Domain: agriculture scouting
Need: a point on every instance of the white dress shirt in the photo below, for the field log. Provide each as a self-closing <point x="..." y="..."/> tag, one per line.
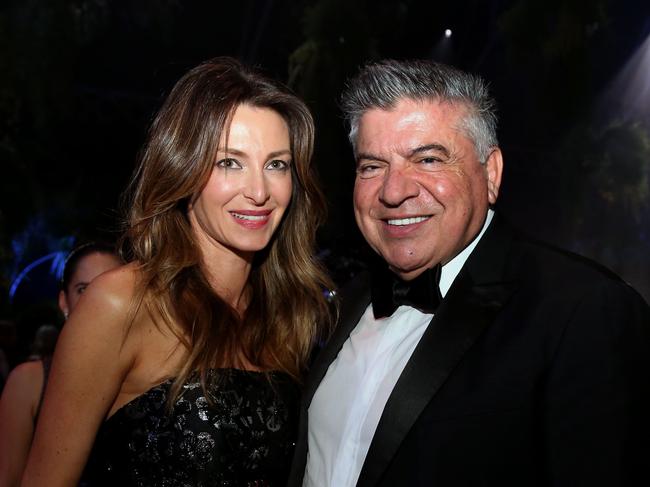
<point x="346" y="408"/>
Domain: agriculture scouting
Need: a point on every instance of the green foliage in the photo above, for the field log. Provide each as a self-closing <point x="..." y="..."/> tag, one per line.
<point x="603" y="177"/>
<point x="340" y="36"/>
<point x="548" y="49"/>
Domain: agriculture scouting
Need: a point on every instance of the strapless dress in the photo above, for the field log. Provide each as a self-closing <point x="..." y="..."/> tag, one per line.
<point x="244" y="436"/>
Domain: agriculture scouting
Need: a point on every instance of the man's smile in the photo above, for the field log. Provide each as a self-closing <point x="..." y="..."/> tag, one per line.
<point x="407" y="221"/>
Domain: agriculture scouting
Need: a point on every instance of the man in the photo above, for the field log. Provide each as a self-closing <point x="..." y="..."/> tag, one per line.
<point x="471" y="356"/>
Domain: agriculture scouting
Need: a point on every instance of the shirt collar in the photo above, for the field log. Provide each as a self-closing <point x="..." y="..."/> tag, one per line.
<point x="451" y="269"/>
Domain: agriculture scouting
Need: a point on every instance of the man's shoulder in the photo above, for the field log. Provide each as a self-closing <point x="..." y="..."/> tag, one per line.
<point x="549" y="267"/>
<point x="552" y="258"/>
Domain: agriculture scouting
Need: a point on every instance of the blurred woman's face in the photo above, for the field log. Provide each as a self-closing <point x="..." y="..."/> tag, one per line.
<point x="249" y="190"/>
<point x="87" y="269"/>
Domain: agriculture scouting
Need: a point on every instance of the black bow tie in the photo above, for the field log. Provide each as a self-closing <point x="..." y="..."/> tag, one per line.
<point x="389" y="291"/>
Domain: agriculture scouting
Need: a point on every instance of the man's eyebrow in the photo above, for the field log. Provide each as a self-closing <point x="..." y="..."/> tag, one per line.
<point x="430" y="147"/>
<point x="367" y="156"/>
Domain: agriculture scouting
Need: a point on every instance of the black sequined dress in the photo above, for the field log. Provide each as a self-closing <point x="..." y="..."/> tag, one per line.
<point x="245" y="438"/>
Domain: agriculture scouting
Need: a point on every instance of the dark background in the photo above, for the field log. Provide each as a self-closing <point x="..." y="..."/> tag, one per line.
<point x="81" y="79"/>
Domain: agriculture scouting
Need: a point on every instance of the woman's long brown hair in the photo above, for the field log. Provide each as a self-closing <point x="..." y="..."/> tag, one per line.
<point x="287" y="312"/>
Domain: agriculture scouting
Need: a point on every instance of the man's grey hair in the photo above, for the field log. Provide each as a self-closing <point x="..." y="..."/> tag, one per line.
<point x="383" y="84"/>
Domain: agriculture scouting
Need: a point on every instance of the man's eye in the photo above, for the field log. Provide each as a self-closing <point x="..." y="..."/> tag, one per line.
<point x="366" y="171"/>
<point x="429" y="160"/>
<point x="228" y="163"/>
<point x="367" y="168"/>
<point x="278" y="165"/>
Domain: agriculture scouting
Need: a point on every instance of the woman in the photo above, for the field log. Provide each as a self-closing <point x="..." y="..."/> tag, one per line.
<point x="188" y="373"/>
<point x="21" y="398"/>
<point x="83" y="264"/>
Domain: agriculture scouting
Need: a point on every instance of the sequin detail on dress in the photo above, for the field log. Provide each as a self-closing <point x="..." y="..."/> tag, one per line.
<point x="245" y="438"/>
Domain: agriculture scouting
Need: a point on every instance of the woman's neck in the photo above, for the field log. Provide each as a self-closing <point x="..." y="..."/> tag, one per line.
<point x="227" y="272"/>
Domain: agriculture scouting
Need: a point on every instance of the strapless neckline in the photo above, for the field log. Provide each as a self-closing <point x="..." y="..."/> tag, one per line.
<point x="168" y="382"/>
<point x="240" y="431"/>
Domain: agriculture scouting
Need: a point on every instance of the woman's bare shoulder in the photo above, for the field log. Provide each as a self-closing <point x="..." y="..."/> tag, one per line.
<point x="107" y="304"/>
<point x="116" y="284"/>
<point x="113" y="291"/>
<point x="29" y="372"/>
<point x="24" y="384"/>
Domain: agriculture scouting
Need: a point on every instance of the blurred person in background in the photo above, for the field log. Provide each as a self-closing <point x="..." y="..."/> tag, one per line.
<point x="7" y="345"/>
<point x="44" y="342"/>
<point x="23" y="394"/>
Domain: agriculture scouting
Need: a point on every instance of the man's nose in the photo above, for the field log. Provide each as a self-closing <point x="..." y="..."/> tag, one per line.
<point x="256" y="188"/>
<point x="398" y="186"/>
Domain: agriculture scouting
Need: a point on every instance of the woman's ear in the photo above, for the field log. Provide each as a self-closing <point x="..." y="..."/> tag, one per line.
<point x="63" y="304"/>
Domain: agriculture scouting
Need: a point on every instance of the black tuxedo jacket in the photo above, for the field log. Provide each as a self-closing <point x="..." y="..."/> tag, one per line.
<point x="535" y="370"/>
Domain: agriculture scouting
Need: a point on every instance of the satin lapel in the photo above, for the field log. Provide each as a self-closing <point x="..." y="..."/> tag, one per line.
<point x="477" y="294"/>
<point x="355" y="300"/>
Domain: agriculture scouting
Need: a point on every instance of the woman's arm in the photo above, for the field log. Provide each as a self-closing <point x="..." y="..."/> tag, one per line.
<point x="92" y="358"/>
<point x="18" y="405"/>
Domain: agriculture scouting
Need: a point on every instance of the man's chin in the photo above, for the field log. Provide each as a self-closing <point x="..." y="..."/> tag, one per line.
<point x="407" y="269"/>
<point x="405" y="262"/>
<point x="408" y="275"/>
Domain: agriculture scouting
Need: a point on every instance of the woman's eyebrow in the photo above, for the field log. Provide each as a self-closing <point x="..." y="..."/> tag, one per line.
<point x="230" y="150"/>
<point x="283" y="152"/>
<point x="235" y="152"/>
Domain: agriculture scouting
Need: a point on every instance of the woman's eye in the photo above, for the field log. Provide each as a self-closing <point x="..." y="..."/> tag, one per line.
<point x="228" y="163"/>
<point x="278" y="164"/>
<point x="81" y="289"/>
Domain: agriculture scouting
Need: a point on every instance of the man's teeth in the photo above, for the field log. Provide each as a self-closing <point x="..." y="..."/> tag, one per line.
<point x="408" y="221"/>
<point x="254" y="218"/>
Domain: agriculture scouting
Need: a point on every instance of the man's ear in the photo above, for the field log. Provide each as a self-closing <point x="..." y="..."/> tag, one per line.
<point x="494" y="169"/>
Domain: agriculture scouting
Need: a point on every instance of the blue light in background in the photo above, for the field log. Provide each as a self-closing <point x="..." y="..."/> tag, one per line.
<point x="56" y="269"/>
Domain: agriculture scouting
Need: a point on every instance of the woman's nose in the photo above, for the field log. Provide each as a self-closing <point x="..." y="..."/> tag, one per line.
<point x="256" y="188"/>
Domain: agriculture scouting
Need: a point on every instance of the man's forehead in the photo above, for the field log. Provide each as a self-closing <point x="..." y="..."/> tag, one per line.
<point x="409" y="111"/>
<point x="406" y="124"/>
<point x="422" y="103"/>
